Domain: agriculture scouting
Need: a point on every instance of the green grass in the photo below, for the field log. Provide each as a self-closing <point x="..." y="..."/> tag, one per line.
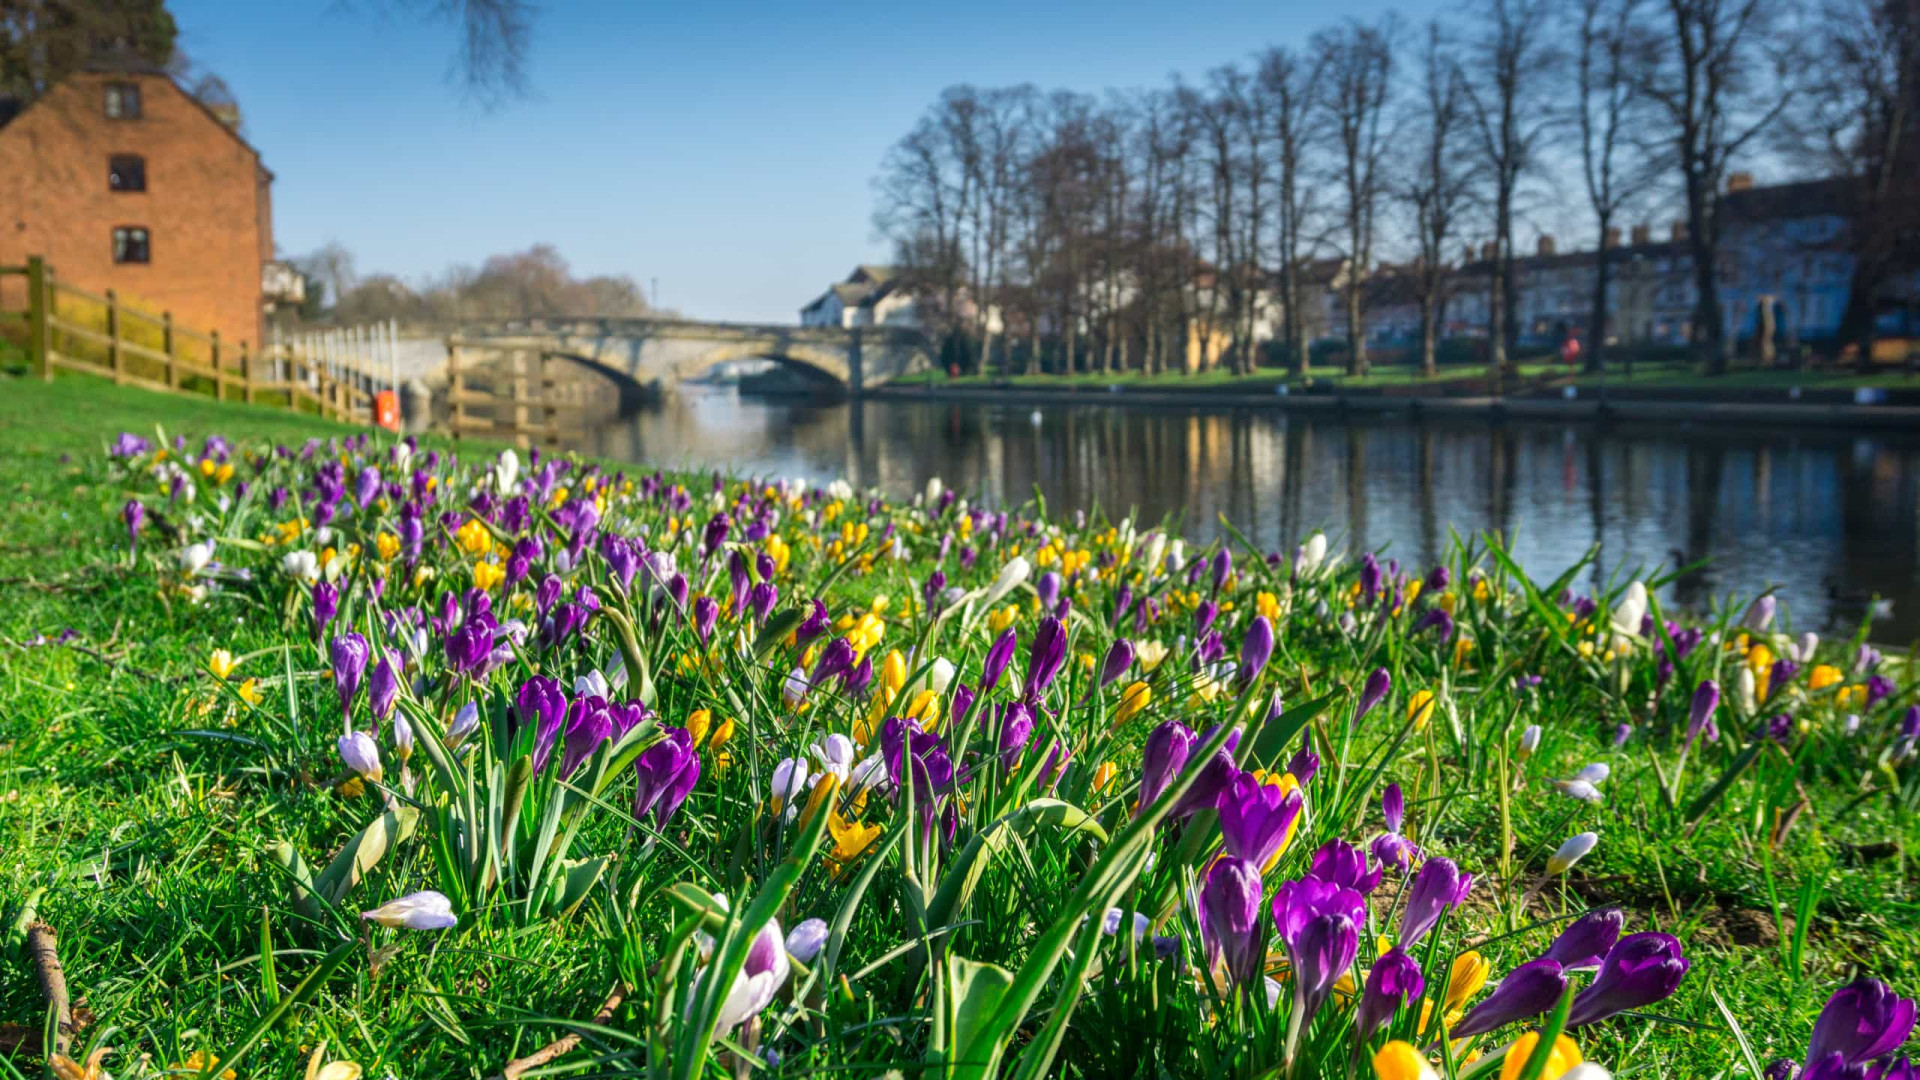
<point x="144" y="798"/>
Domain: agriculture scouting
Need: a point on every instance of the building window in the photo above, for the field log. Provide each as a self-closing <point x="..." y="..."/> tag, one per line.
<point x="130" y="244"/>
<point x="123" y="101"/>
<point x="127" y="172"/>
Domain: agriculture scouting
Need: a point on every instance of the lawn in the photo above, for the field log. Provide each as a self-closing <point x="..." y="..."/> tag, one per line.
<point x="178" y="777"/>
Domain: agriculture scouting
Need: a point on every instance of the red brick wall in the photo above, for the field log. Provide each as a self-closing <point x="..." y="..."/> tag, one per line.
<point x="205" y="208"/>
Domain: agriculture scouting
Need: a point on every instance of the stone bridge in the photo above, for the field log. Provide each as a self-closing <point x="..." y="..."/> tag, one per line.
<point x="649" y="356"/>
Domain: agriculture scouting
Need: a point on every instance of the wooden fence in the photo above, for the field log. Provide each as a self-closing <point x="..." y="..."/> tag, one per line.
<point x="66" y="328"/>
<point x="499" y="393"/>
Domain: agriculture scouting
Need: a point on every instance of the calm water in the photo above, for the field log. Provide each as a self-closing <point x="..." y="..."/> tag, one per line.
<point x="1831" y="518"/>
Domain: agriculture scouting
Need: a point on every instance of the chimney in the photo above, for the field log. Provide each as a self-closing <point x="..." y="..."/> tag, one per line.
<point x="1642" y="234"/>
<point x="1740" y="181"/>
<point x="1613" y="237"/>
<point x="1545" y="247"/>
<point x="1677" y="231"/>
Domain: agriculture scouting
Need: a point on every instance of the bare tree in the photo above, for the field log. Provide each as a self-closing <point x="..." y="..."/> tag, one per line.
<point x="1441" y="186"/>
<point x="1719" y="79"/>
<point x="1357" y="69"/>
<point x="923" y="192"/>
<point x="331" y="266"/>
<point x="1858" y="117"/>
<point x="1607" y="99"/>
<point x="1510" y="62"/>
<point x="1288" y="81"/>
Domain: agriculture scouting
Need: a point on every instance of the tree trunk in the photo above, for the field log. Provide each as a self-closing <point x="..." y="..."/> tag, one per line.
<point x="1356" y="333"/>
<point x="1597" y="323"/>
<point x="1496" y="322"/>
<point x="1429" y="337"/>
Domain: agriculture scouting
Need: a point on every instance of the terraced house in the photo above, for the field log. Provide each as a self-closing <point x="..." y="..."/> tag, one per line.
<point x="122" y="180"/>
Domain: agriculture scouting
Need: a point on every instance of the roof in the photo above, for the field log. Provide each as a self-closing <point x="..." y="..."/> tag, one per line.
<point x="1620" y="253"/>
<point x="1777" y="202"/>
<point x="122" y="63"/>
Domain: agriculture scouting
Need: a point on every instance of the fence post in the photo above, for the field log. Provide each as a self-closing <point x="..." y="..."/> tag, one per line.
<point x="39" y="339"/>
<point x="290" y="372"/>
<point x="246" y="373"/>
<point x="113" y="339"/>
<point x="219" y="376"/>
<point x="456" y="389"/>
<point x="172" y="374"/>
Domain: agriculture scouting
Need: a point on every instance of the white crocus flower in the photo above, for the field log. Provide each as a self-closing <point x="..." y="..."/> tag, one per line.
<point x="426" y="910"/>
<point x="195" y="557"/>
<point x="1572" y="851"/>
<point x="302" y="566"/>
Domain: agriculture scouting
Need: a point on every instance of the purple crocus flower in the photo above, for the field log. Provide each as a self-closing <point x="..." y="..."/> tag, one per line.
<point x="326" y="604"/>
<point x="1638" y="971"/>
<point x="1370" y="578"/>
<point x="999" y="657"/>
<point x="1319" y="922"/>
<point x="1862" y="1021"/>
<point x="1164" y="754"/>
<point x="1342" y="864"/>
<point x="470" y="647"/>
<point x="1215" y="775"/>
<point x="588" y="724"/>
<point x="134" y="513"/>
<point x="1204" y="615"/>
<point x="1438" y="579"/>
<point x="1256" y="648"/>
<point x="1222" y="568"/>
<point x="1256" y="819"/>
<point x="367" y="487"/>
<point x="542" y="706"/>
<point x="1706" y="698"/>
<point x="706" y="612"/>
<point x="1879" y="688"/>
<point x="667" y="771"/>
<point x="1047" y="589"/>
<point x="1048" y="653"/>
<point x="1394" y="981"/>
<point x="1436" y="619"/>
<point x="1119" y="658"/>
<point x="349" y="654"/>
<point x="1304" y="763"/>
<point x="815" y="624"/>
<point x="1438" y="887"/>
<point x="1587" y="940"/>
<point x="1016" y="728"/>
<point x="545" y="595"/>
<point x="383" y="689"/>
<point x="1526" y="992"/>
<point x="1230" y="925"/>
<point x="1373" y="693"/>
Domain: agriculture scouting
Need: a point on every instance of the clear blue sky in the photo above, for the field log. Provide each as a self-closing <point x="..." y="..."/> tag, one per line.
<point x="726" y="149"/>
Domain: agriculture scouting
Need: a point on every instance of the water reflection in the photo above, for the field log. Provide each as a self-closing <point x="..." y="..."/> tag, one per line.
<point x="1831" y="518"/>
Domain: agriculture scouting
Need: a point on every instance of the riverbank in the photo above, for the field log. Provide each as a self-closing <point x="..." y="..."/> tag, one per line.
<point x="1764" y="398"/>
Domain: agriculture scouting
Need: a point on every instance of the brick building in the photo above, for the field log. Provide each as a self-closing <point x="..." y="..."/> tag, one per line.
<point x="123" y="181"/>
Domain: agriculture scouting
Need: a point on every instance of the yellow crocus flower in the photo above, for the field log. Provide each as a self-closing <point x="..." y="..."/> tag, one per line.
<point x="1133" y="699"/>
<point x="850" y="838"/>
<point x="250" y="692"/>
<point x="486" y="575"/>
<point x="221" y="663"/>
<point x="1400" y="1061"/>
<point x="699" y="721"/>
<point x="1564" y="1056"/>
<point x="1823" y="676"/>
<point x="1469" y="974"/>
<point x="1420" y="709"/>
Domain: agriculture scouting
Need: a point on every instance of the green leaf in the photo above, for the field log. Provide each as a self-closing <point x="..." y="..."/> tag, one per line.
<point x="964" y="871"/>
<point x="974" y="993"/>
<point x="364" y="852"/>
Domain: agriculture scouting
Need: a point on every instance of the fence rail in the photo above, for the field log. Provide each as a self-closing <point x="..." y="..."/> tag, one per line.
<point x="71" y="329"/>
<point x="498" y="393"/>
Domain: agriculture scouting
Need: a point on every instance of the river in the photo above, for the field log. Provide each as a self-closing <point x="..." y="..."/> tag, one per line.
<point x="1831" y="519"/>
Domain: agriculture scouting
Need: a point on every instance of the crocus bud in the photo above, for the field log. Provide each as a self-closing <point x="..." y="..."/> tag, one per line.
<point x="1394" y="981"/>
<point x="1048" y="653"/>
<point x="1706" y="698"/>
<point x="326" y="603"/>
<point x="1526" y="992"/>
<point x="349" y="654"/>
<point x="360" y="755"/>
<point x="1119" y="659"/>
<point x="999" y="656"/>
<point x="1584" y="943"/>
<point x="1256" y="819"/>
<point x="1862" y="1021"/>
<point x="1222" y="568"/>
<point x="134" y="513"/>
<point x="1048" y="590"/>
<point x="1437" y="888"/>
<point x="1760" y="613"/>
<point x="1165" y="752"/>
<point x="1230" y="925"/>
<point x="1256" y="648"/>
<point x="706" y="611"/>
<point x="805" y="941"/>
<point x="1571" y="851"/>
<point x="1529" y="742"/>
<point x="1373" y="693"/>
<point x="402" y="739"/>
<point x="383" y="688"/>
<point x="1639" y="971"/>
<point x="427" y="910"/>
